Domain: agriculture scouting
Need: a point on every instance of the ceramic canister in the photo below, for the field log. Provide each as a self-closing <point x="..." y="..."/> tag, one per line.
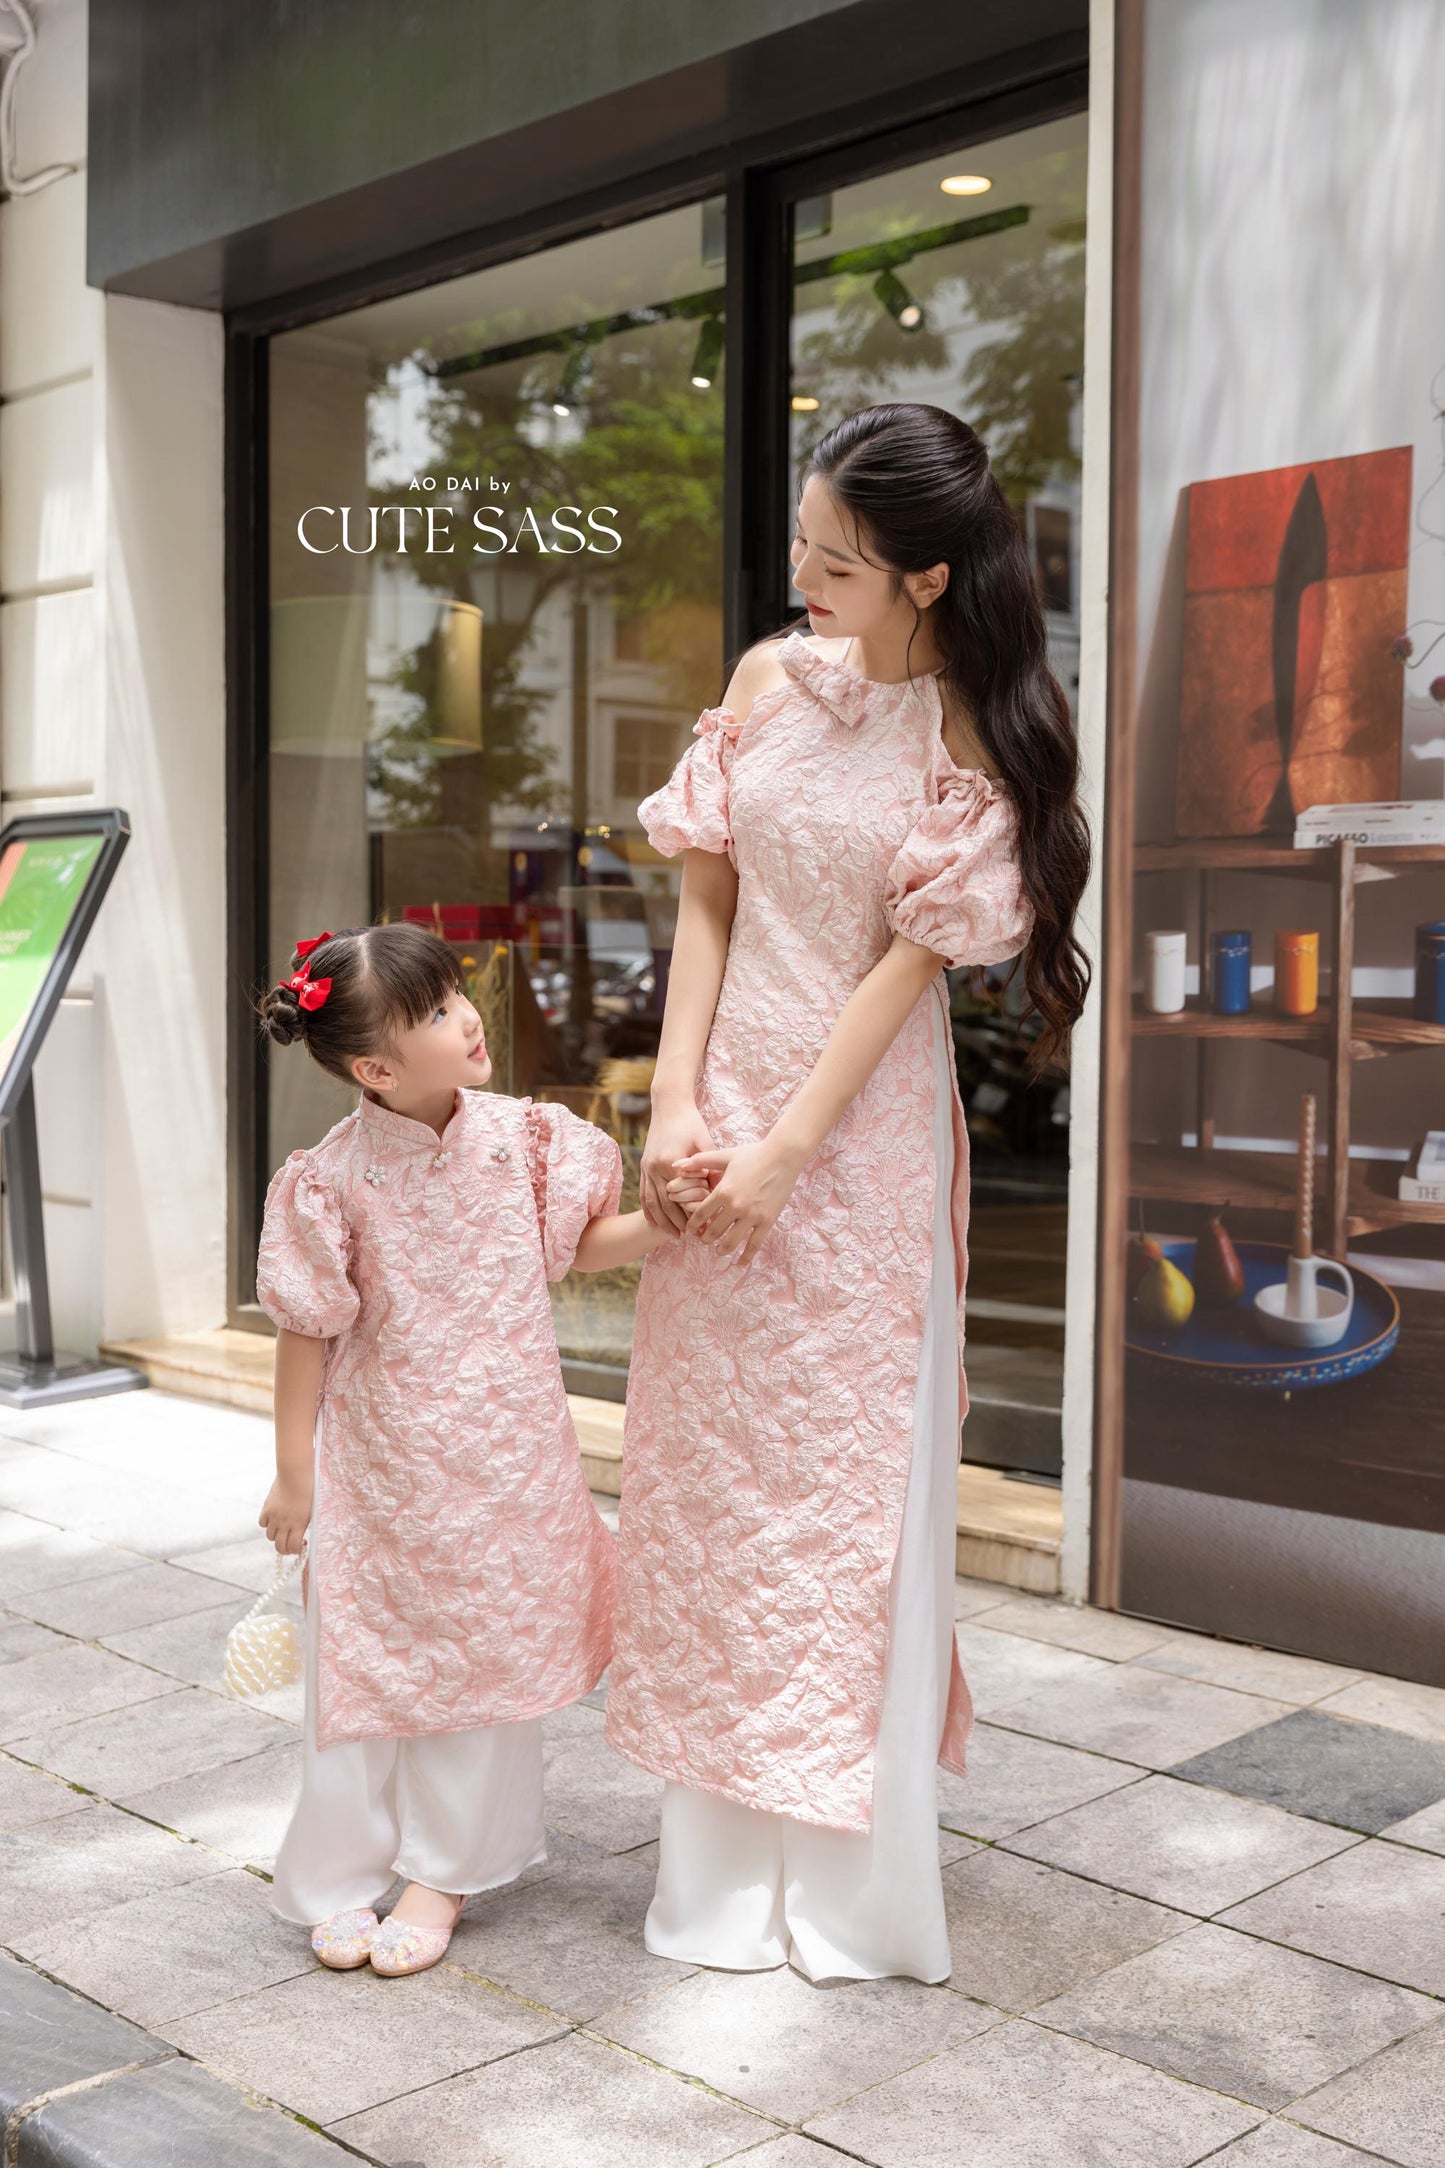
<point x="1164" y="972"/>
<point x="1430" y="971"/>
<point x="1229" y="973"/>
<point x="1297" y="972"/>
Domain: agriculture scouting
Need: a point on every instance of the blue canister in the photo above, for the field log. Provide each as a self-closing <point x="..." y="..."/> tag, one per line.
<point x="1430" y="971"/>
<point x="1229" y="973"/>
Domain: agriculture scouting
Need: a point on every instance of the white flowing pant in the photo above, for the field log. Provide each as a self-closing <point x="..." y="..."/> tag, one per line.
<point x="745" y="1889"/>
<point x="460" y="1811"/>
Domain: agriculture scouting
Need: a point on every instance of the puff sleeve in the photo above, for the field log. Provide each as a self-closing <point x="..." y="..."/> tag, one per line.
<point x="954" y="884"/>
<point x="690" y="812"/>
<point x="302" y="1278"/>
<point x="576" y="1176"/>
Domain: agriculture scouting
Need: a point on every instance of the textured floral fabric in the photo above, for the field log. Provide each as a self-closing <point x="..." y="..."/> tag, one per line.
<point x="464" y="1575"/>
<point x="770" y="1410"/>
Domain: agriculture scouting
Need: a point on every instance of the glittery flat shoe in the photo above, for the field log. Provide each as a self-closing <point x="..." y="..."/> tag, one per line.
<point x="399" y="1947"/>
<point x="344" y="1941"/>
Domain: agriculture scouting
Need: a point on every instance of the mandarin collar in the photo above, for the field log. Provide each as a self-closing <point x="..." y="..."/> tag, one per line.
<point x="849" y="697"/>
<point x="405" y="1130"/>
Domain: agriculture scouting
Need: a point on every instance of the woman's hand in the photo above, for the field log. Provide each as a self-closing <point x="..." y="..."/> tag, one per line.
<point x="286" y="1515"/>
<point x="675" y="1130"/>
<point x="752" y="1184"/>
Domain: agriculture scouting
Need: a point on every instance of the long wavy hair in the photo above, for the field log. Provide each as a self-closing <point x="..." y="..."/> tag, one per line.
<point x="916" y="483"/>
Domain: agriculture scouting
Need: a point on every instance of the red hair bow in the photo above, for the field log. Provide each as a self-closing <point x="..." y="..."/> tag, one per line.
<point x="310" y="993"/>
<point x="304" y="948"/>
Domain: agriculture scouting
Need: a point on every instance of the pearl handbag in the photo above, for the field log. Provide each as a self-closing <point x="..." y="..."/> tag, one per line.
<point x="264" y="1652"/>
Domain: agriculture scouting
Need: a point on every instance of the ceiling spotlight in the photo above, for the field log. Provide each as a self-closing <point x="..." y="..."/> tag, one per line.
<point x="803" y="402"/>
<point x="707" y="355"/>
<point x="575" y="379"/>
<point x="898" y="301"/>
<point x="966" y="184"/>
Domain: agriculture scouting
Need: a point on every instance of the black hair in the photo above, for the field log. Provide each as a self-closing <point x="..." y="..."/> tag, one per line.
<point x="384" y="979"/>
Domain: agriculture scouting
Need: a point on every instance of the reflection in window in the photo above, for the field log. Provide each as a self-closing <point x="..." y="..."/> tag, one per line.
<point x="490" y="640"/>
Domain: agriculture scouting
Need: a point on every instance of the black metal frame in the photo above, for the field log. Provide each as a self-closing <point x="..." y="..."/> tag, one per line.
<point x="762" y="180"/>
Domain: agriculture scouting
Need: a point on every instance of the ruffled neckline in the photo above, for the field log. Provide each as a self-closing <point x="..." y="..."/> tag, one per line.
<point x="849" y="696"/>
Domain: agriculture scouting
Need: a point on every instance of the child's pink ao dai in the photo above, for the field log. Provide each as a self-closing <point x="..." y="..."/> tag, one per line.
<point x="464" y="1576"/>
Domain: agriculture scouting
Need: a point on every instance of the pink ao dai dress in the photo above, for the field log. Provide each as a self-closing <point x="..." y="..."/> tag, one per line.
<point x="784" y="1650"/>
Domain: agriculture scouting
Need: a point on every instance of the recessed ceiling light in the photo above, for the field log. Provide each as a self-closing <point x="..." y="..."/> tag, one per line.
<point x="804" y="403"/>
<point x="966" y="184"/>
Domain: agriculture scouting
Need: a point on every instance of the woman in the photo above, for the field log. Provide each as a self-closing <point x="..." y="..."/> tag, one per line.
<point x="867" y="806"/>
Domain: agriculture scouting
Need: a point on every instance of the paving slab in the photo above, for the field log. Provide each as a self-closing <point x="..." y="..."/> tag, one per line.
<point x="1392" y="2106"/>
<point x="1181" y="1845"/>
<point x="1021" y="1932"/>
<point x="1022" y="2097"/>
<point x="1140" y="1716"/>
<point x="73" y="1867"/>
<point x="33" y="1795"/>
<point x="193" y="1649"/>
<point x="1014" y="1781"/>
<point x="165" y="1957"/>
<point x="573" y="2101"/>
<point x="571" y="1941"/>
<point x="1425" y="1830"/>
<point x="241" y="1808"/>
<point x="1239" y="2016"/>
<point x="971" y="1597"/>
<point x="37" y="1554"/>
<point x="1274" y="2144"/>
<point x="122" y="1601"/>
<point x="173" y="2112"/>
<point x="71" y="1679"/>
<point x="1398" y="1703"/>
<point x="1003" y="1668"/>
<point x="779" y="2044"/>
<point x="794" y="2151"/>
<point x="248" y="1563"/>
<point x="330" y="2044"/>
<point x="592" y="1791"/>
<point x="1377" y="1907"/>
<point x="1109" y="1634"/>
<point x="49" y="2037"/>
<point x="1271" y="1672"/>
<point x="1362" y="1776"/>
<point x="22" y="1637"/>
<point x="180" y="1732"/>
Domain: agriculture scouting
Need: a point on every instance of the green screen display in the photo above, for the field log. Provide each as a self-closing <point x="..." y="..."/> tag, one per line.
<point x="42" y="881"/>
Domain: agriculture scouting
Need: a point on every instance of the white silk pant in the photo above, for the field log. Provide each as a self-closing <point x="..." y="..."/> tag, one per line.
<point x="745" y="1889"/>
<point x="460" y="1811"/>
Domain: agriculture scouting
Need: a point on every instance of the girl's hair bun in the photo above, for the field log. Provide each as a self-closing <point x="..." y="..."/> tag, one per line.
<point x="282" y="1015"/>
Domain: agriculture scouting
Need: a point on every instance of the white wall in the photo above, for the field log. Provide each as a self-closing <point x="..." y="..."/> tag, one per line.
<point x="1293" y="309"/>
<point x="112" y="692"/>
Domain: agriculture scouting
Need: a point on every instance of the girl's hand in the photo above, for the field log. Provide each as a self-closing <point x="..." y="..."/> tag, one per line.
<point x="753" y="1183"/>
<point x="286" y="1515"/>
<point x="674" y="1131"/>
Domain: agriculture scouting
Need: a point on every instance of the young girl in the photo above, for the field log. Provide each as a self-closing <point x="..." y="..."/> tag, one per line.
<point x="459" y="1578"/>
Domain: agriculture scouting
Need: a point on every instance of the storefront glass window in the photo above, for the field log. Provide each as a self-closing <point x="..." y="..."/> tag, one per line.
<point x="960" y="282"/>
<point x="496" y="612"/>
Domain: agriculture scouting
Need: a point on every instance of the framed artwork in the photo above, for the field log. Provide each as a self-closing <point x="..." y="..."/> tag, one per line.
<point x="1294" y="588"/>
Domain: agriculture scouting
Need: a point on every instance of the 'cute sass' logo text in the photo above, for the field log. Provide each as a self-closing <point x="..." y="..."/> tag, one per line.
<point x="428" y="529"/>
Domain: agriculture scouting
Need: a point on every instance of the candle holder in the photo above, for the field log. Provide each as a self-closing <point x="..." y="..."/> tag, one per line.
<point x="1296" y="1310"/>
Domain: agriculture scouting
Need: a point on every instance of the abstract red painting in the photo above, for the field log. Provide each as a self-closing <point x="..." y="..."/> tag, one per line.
<point x="1295" y="586"/>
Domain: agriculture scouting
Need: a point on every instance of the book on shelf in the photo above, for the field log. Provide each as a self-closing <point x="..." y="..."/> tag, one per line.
<point x="1377" y="821"/>
<point x="1424" y="1180"/>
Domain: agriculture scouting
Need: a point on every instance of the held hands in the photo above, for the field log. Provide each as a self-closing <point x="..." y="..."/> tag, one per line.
<point x="286" y="1515"/>
<point x="750" y="1185"/>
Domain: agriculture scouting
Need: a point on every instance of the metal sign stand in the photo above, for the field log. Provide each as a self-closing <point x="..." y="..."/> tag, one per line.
<point x="36" y="1376"/>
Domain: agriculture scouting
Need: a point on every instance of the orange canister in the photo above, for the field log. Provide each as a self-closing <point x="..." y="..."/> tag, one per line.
<point x="1297" y="972"/>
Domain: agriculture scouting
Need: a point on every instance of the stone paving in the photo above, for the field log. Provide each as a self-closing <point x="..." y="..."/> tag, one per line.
<point x="1196" y="1892"/>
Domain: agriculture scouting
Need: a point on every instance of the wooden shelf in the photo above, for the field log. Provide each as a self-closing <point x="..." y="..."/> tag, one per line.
<point x="1383" y="1027"/>
<point x="1245" y="855"/>
<point x="1265" y="1182"/>
<point x="1196" y="1020"/>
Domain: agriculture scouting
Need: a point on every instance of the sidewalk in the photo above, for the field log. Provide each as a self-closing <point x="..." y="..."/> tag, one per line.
<point x="1197" y="1896"/>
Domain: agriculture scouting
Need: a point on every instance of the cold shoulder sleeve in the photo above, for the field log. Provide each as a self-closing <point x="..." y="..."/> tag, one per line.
<point x="954" y="885"/>
<point x="302" y="1278"/>
<point x="576" y="1177"/>
<point x="690" y="812"/>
